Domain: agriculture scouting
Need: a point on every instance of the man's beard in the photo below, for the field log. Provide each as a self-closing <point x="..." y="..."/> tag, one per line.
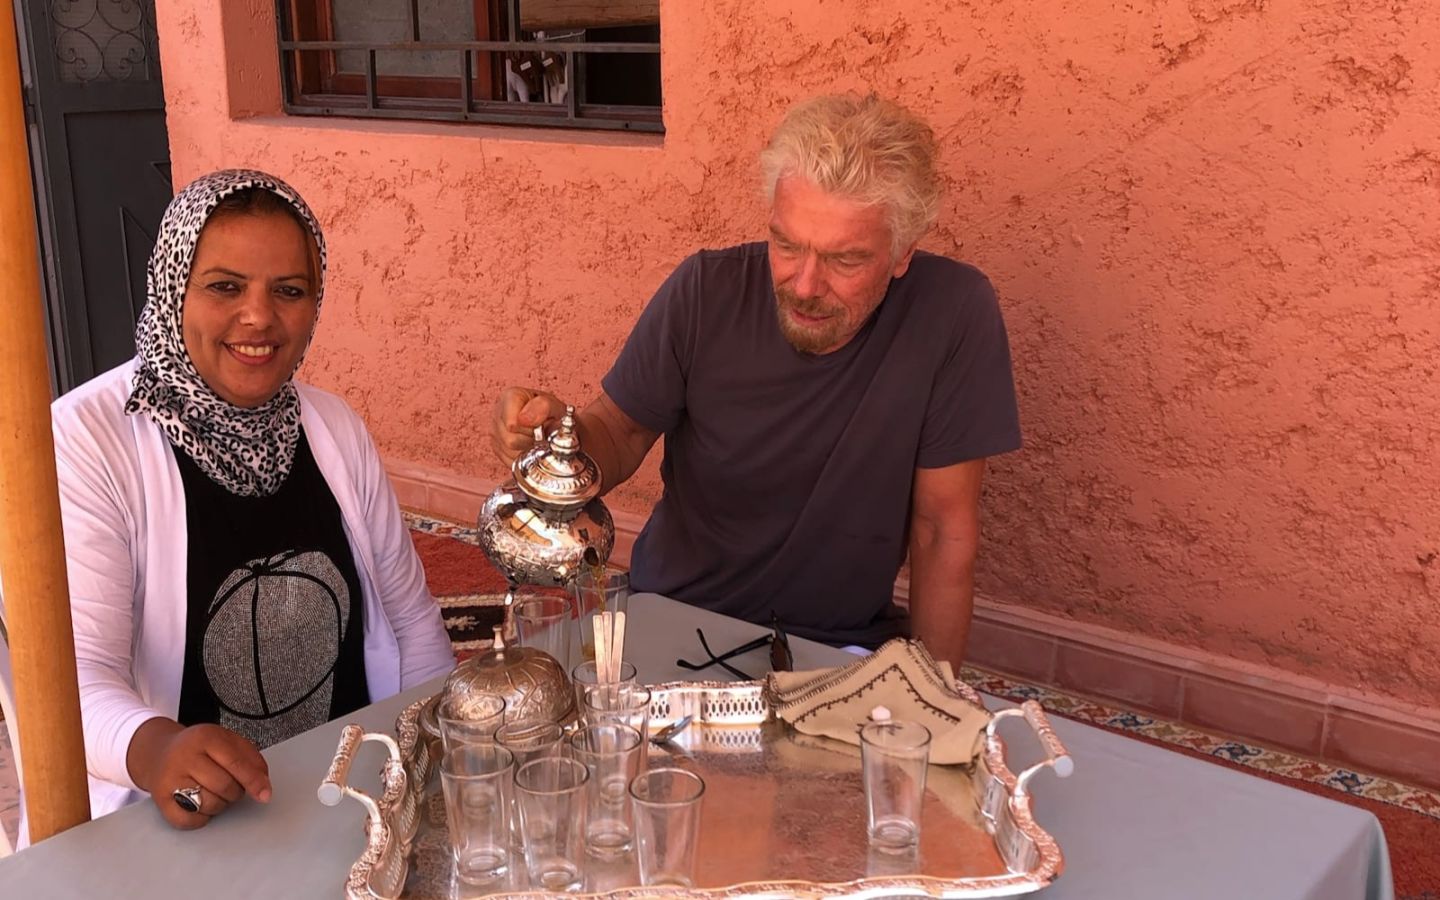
<point x="817" y="338"/>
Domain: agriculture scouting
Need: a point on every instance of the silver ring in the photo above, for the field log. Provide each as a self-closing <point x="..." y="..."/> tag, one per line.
<point x="188" y="799"/>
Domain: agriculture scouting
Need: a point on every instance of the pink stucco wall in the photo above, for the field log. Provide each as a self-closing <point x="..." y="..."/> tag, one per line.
<point x="1214" y="224"/>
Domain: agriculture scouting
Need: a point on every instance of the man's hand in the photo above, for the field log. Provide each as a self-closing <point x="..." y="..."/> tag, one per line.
<point x="517" y="413"/>
<point x="165" y="756"/>
<point x="616" y="442"/>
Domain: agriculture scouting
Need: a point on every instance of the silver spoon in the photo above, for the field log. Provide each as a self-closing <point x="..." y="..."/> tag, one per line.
<point x="669" y="731"/>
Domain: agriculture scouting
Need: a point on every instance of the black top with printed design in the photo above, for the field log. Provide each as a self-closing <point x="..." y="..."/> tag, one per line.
<point x="274" y="637"/>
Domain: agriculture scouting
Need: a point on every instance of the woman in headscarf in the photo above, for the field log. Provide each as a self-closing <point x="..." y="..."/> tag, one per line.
<point x="239" y="570"/>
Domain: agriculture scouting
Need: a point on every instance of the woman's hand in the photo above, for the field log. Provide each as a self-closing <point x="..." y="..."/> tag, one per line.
<point x="165" y="756"/>
<point x="518" y="412"/>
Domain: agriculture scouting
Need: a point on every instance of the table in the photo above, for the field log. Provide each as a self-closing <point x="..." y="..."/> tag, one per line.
<point x="1134" y="821"/>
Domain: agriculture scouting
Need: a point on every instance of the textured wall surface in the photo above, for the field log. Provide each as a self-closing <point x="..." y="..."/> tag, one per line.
<point x="1214" y="225"/>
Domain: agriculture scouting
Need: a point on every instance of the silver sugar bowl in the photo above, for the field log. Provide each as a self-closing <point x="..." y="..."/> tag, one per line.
<point x="534" y="685"/>
<point x="548" y="523"/>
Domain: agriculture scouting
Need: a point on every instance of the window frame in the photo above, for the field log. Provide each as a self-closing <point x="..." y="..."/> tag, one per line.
<point x="312" y="83"/>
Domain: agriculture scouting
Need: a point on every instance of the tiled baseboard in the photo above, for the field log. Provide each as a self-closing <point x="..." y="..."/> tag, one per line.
<point x="1203" y="690"/>
<point x="1211" y="692"/>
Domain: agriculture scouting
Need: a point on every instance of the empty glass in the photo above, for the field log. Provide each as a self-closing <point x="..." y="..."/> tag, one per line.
<point x="550" y="795"/>
<point x="620" y="704"/>
<point x="470" y="719"/>
<point x="615" y="594"/>
<point x="667" y="825"/>
<point x="476" y="780"/>
<point x="585" y="678"/>
<point x="612" y="754"/>
<point x="884" y="862"/>
<point x="544" y="623"/>
<point x="894" y="757"/>
<point x="529" y="739"/>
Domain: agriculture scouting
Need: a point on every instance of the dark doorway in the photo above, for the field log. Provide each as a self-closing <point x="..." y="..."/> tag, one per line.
<point x="101" y="156"/>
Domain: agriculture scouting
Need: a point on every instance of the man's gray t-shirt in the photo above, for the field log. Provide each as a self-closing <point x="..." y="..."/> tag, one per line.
<point x="787" y="476"/>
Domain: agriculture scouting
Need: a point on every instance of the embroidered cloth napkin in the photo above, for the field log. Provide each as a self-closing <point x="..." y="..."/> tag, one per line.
<point x="900" y="676"/>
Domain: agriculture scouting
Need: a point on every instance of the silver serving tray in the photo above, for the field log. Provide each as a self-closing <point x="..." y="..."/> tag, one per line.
<point x="784" y="813"/>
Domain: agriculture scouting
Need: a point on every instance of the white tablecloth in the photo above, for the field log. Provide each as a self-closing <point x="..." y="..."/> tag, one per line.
<point x="1134" y="821"/>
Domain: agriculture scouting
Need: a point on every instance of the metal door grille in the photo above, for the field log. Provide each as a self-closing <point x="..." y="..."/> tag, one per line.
<point x="104" y="40"/>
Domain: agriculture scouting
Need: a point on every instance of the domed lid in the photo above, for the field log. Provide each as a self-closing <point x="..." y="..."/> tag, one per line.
<point x="554" y="472"/>
<point x="533" y="684"/>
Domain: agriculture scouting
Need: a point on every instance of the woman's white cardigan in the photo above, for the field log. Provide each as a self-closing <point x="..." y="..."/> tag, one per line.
<point x="123" y="506"/>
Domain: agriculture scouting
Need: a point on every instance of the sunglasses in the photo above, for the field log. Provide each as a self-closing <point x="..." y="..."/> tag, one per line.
<point x="781" y="659"/>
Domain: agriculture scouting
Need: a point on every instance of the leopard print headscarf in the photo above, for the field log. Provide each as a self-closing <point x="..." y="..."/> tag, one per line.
<point x="248" y="452"/>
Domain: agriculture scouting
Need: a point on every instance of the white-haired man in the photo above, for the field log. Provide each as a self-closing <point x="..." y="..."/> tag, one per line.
<point x="828" y="398"/>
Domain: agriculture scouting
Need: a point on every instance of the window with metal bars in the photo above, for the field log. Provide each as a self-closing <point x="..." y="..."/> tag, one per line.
<point x="564" y="63"/>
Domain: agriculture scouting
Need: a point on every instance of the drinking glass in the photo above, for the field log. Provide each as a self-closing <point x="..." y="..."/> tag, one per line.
<point x="543" y="622"/>
<point x="476" y="781"/>
<point x="894" y="757"/>
<point x="529" y="739"/>
<point x="470" y="719"/>
<point x="550" y="794"/>
<point x="612" y="754"/>
<point x="667" y="825"/>
<point x="586" y="678"/>
<point x="620" y="704"/>
<point x="610" y="595"/>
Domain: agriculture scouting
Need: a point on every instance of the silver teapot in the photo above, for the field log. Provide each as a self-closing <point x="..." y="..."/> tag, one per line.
<point x="549" y="523"/>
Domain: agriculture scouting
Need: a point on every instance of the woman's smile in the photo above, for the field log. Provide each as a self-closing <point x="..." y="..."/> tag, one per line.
<point x="252" y="354"/>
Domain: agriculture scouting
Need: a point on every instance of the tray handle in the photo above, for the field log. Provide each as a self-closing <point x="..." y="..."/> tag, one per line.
<point x="1057" y="758"/>
<point x="336" y="785"/>
<point x="392" y="820"/>
<point x="332" y="789"/>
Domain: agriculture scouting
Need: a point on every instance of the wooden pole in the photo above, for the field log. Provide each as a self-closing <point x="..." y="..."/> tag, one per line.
<point x="32" y="548"/>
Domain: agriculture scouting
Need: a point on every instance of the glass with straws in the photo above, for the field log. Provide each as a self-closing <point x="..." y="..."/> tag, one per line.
<point x="588" y="676"/>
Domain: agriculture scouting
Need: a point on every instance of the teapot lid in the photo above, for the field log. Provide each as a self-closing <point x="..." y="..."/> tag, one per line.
<point x="555" y="472"/>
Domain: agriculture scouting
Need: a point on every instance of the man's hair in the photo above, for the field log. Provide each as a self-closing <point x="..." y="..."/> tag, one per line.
<point x="864" y="149"/>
